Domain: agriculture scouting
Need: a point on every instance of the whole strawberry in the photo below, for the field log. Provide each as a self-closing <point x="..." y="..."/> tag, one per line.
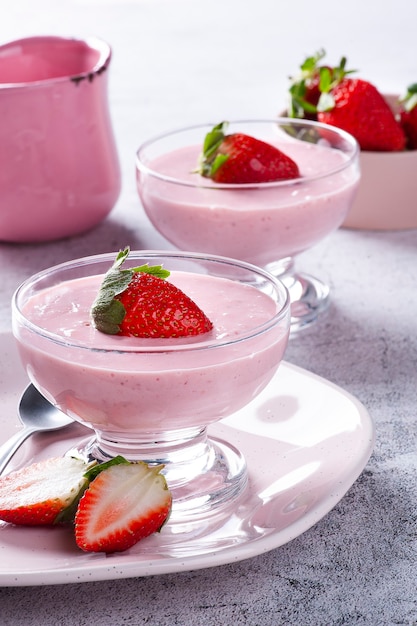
<point x="139" y="302"/>
<point x="329" y="95"/>
<point x="312" y="80"/>
<point x="357" y="107"/>
<point x="241" y="159"/>
<point x="408" y="116"/>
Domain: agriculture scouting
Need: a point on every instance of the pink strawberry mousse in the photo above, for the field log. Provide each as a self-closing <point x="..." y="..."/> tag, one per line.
<point x="259" y="224"/>
<point x="123" y="386"/>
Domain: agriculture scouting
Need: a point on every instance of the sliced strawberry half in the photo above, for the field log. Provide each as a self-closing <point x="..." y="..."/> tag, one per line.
<point x="121" y="506"/>
<point x="242" y="159"/>
<point x="139" y="302"/>
<point x="43" y="493"/>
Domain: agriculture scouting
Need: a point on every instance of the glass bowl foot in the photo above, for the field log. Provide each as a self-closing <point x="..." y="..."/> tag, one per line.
<point x="309" y="298"/>
<point x="206" y="477"/>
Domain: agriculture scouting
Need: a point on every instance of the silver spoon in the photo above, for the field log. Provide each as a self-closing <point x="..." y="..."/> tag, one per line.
<point x="36" y="414"/>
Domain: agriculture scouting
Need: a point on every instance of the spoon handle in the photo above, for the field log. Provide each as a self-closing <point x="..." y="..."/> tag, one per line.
<point x="8" y="449"/>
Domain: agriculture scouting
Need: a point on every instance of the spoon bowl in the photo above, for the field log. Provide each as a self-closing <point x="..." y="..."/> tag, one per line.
<point x="36" y="414"/>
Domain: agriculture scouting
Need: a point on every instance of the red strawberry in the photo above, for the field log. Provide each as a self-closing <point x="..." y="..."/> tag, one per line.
<point x="357" y="107"/>
<point x="408" y="116"/>
<point x="327" y="94"/>
<point x="313" y="79"/>
<point x="43" y="493"/>
<point x="141" y="303"/>
<point x="156" y="308"/>
<point x="122" y="505"/>
<point x="239" y="159"/>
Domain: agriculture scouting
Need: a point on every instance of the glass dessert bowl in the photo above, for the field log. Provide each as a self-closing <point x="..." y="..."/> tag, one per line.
<point x="153" y="399"/>
<point x="266" y="224"/>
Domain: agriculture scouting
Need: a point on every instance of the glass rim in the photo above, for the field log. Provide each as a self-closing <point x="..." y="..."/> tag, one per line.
<point x="19" y="318"/>
<point x="281" y="121"/>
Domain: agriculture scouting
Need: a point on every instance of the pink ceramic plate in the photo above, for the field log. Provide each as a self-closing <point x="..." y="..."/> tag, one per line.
<point x="305" y="440"/>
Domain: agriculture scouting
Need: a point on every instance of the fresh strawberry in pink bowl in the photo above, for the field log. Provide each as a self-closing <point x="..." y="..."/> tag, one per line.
<point x="385" y="126"/>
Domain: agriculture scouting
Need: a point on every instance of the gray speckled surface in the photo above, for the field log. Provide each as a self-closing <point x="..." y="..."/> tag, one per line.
<point x="357" y="565"/>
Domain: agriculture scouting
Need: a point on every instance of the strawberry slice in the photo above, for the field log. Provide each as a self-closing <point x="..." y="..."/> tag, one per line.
<point x="239" y="158"/>
<point x="43" y="493"/>
<point x="123" y="504"/>
<point x="139" y="302"/>
<point x="113" y="504"/>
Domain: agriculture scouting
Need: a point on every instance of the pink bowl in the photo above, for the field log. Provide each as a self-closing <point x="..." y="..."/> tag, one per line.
<point x="387" y="191"/>
<point x="386" y="197"/>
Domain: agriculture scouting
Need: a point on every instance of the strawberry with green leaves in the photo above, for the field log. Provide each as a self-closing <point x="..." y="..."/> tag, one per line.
<point x="313" y="79"/>
<point x="122" y="505"/>
<point x="352" y="104"/>
<point x="43" y="493"/>
<point x="357" y="107"/>
<point x="112" y="505"/>
<point x="408" y="116"/>
<point x="238" y="158"/>
<point x="139" y="302"/>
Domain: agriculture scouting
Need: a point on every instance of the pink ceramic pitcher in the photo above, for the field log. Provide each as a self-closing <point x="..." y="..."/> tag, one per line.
<point x="59" y="170"/>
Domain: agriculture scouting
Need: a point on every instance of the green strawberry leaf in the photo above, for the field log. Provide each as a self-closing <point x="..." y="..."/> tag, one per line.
<point x="309" y="65"/>
<point x="409" y="101"/>
<point x="213" y="139"/>
<point x="218" y="162"/>
<point x="210" y="160"/>
<point x="106" y="311"/>
<point x="155" y="270"/>
<point x="325" y="83"/>
<point x="100" y="467"/>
